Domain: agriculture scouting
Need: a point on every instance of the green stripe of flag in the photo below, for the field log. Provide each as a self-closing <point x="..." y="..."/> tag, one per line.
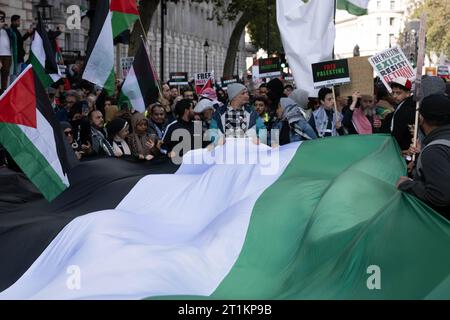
<point x="121" y="22"/>
<point x="31" y="161"/>
<point x="351" y="7"/>
<point x="39" y="70"/>
<point x="333" y="214"/>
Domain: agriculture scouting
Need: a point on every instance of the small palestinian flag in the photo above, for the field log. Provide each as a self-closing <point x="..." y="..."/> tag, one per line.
<point x="99" y="67"/>
<point x="43" y="57"/>
<point x="355" y="7"/>
<point x="140" y="88"/>
<point x="32" y="135"/>
<point x="124" y="14"/>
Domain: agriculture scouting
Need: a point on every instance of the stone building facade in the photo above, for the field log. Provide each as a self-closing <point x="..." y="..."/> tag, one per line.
<point x="186" y="28"/>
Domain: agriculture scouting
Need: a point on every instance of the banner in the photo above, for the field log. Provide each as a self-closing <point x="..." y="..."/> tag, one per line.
<point x="443" y="72"/>
<point x="430" y="71"/>
<point x="227" y="81"/>
<point x="361" y="73"/>
<point x="391" y="64"/>
<point x="269" y="68"/>
<point x="178" y="79"/>
<point x="330" y="73"/>
<point x="201" y="79"/>
<point x="125" y="65"/>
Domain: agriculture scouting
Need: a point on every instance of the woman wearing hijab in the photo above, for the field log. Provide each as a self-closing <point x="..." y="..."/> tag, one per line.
<point x="291" y="123"/>
<point x="142" y="144"/>
<point x="118" y="131"/>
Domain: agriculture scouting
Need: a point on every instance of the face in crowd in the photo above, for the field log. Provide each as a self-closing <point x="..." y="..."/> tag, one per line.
<point x="70" y="101"/>
<point x="174" y="93"/>
<point x="142" y="126"/>
<point x="158" y="115"/>
<point x="188" y="95"/>
<point x="328" y="102"/>
<point x="242" y="98"/>
<point x="399" y="95"/>
<point x="124" y="132"/>
<point x="69" y="134"/>
<point x="263" y="91"/>
<point x="260" y="107"/>
<point x="367" y="102"/>
<point x="97" y="119"/>
<point x="166" y="91"/>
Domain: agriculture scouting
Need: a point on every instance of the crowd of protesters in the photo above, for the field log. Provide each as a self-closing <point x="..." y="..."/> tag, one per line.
<point x="275" y="113"/>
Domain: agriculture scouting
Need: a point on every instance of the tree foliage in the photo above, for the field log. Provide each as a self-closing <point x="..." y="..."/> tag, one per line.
<point x="258" y="29"/>
<point x="438" y="17"/>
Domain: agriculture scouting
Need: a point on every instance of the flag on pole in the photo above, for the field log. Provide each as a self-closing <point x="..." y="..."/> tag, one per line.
<point x="355" y="7"/>
<point x="43" y="57"/>
<point x="99" y="68"/>
<point x="124" y="14"/>
<point x="32" y="135"/>
<point x="314" y="21"/>
<point x="140" y="87"/>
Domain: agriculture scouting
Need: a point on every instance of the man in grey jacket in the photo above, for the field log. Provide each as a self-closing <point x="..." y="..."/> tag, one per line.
<point x="431" y="182"/>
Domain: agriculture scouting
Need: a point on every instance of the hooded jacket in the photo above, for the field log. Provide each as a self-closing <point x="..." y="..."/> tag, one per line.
<point x="431" y="182"/>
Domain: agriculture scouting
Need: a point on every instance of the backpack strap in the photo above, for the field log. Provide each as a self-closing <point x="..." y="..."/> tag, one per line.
<point x="444" y="142"/>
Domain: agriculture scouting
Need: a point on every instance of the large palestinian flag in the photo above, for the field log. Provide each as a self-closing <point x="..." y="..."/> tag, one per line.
<point x="140" y="87"/>
<point x="306" y="221"/>
<point x="32" y="135"/>
<point x="99" y="68"/>
<point x="124" y="14"/>
<point x="43" y="57"/>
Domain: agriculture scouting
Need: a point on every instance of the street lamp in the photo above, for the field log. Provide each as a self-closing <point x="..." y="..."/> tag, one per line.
<point x="206" y="49"/>
<point x="161" y="52"/>
<point x="45" y="10"/>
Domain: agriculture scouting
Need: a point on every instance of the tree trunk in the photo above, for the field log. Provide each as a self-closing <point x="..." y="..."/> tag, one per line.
<point x="146" y="10"/>
<point x="233" y="46"/>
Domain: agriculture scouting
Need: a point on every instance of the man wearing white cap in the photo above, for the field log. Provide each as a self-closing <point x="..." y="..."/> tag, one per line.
<point x="237" y="119"/>
<point x="204" y="109"/>
<point x="404" y="115"/>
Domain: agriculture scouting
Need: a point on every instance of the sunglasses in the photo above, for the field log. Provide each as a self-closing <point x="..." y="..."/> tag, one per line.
<point x="68" y="133"/>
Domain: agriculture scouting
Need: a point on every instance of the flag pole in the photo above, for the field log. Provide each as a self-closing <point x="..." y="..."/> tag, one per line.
<point x="144" y="40"/>
<point x="334" y="102"/>
<point x="420" y="62"/>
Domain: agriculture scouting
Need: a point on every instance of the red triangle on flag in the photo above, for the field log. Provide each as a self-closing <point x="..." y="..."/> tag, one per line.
<point x="18" y="102"/>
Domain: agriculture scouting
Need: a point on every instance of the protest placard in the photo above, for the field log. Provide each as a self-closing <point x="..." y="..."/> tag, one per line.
<point x="201" y="79"/>
<point x="125" y="65"/>
<point x="361" y="74"/>
<point x="443" y="71"/>
<point x="391" y="64"/>
<point x="269" y="68"/>
<point x="330" y="73"/>
<point x="178" y="79"/>
<point x="226" y="81"/>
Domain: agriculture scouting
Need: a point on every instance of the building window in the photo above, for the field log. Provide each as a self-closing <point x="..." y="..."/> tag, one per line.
<point x="378" y="40"/>
<point x="379" y="21"/>
<point x="391" y="21"/>
<point x="392" y="41"/>
<point x="392" y="4"/>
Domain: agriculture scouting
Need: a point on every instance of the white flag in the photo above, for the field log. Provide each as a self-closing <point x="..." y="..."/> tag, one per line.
<point x="308" y="33"/>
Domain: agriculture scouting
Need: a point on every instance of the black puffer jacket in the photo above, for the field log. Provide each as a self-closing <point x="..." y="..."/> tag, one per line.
<point x="431" y="182"/>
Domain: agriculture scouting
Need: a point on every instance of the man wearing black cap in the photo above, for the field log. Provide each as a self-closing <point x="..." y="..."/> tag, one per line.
<point x="431" y="181"/>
